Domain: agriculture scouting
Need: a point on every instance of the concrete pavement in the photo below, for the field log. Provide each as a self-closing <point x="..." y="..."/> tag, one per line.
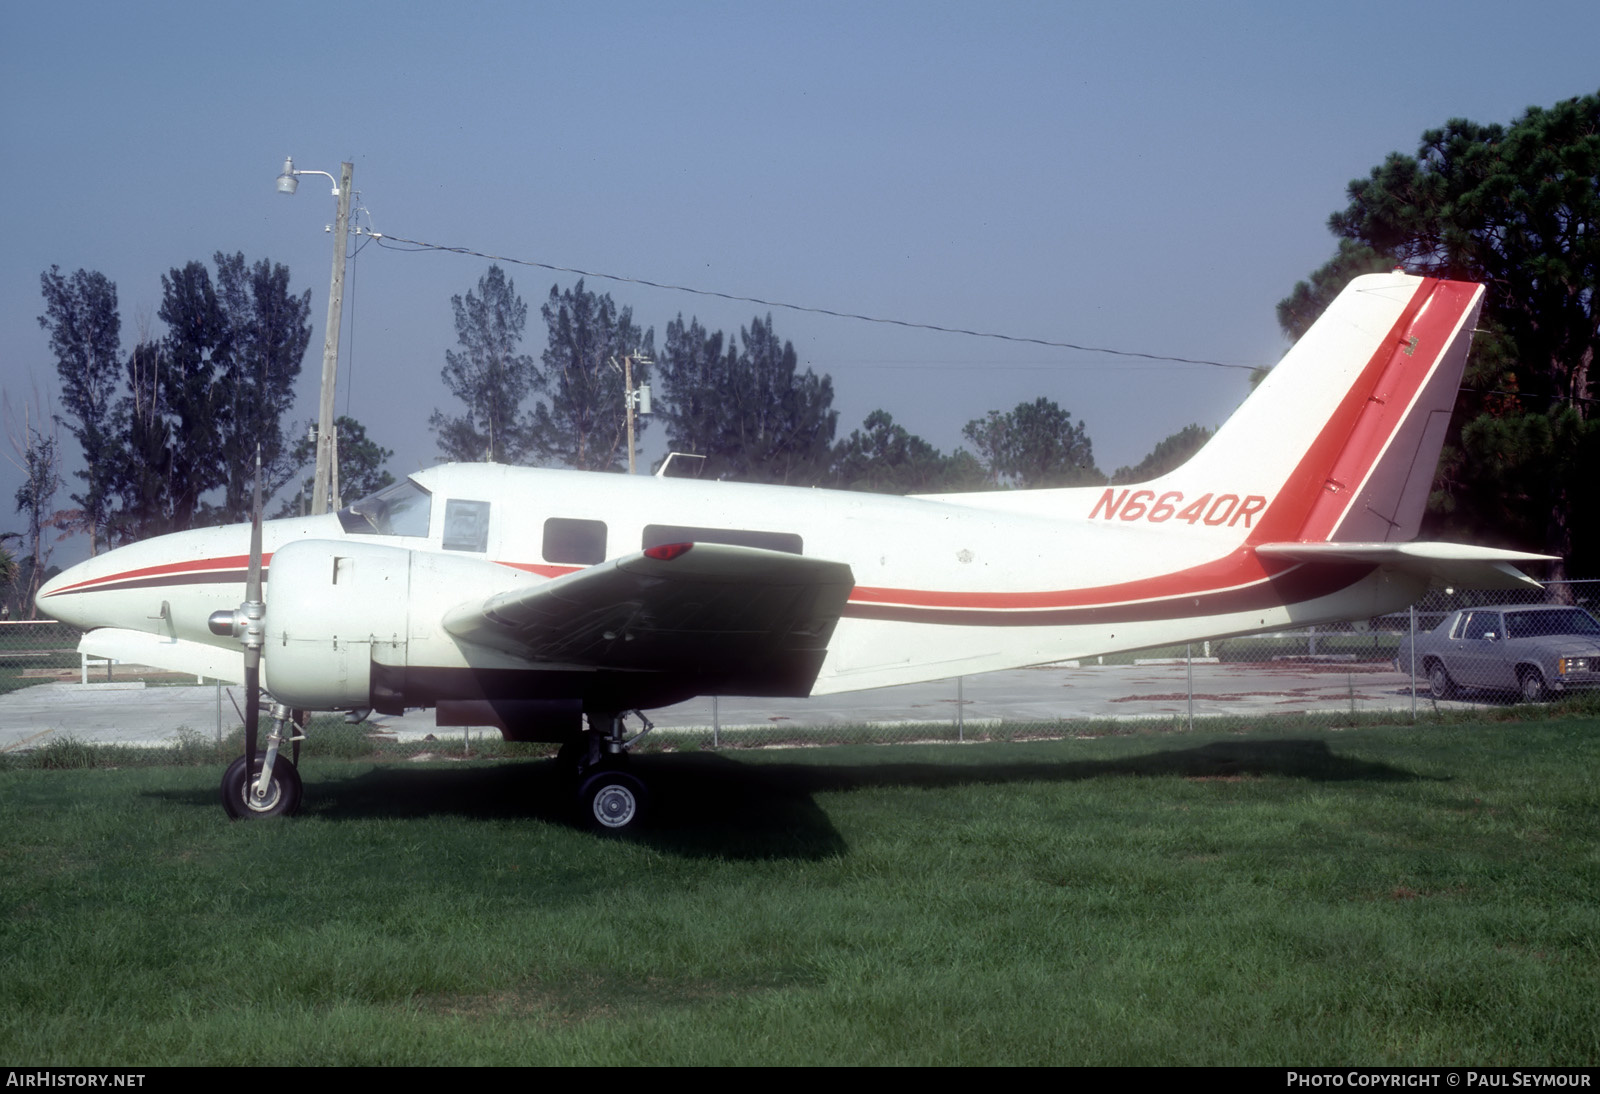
<point x="131" y="713"/>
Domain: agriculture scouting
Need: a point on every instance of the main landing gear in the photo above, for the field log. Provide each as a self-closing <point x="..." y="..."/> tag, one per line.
<point x="610" y="798"/>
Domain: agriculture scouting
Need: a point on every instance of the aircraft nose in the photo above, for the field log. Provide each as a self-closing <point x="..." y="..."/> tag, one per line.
<point x="54" y="599"/>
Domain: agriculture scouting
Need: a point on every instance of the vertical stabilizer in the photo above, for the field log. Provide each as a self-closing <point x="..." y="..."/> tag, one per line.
<point x="1340" y="441"/>
<point x="1338" y="444"/>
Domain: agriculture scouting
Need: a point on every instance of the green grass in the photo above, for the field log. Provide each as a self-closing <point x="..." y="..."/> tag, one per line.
<point x="1309" y="895"/>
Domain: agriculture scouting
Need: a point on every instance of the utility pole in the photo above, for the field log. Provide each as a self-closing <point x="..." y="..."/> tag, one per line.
<point x="632" y="401"/>
<point x="327" y="449"/>
<point x="627" y="385"/>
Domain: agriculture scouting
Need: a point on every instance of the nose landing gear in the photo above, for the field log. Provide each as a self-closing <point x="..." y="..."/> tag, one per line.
<point x="271" y="786"/>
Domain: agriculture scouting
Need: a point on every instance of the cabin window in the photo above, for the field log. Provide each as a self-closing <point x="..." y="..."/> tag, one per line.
<point x="657" y="534"/>
<point x="403" y="509"/>
<point x="576" y="542"/>
<point x="466" y="525"/>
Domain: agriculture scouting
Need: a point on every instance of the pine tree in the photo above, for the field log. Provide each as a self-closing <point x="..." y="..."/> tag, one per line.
<point x="579" y="420"/>
<point x="885" y="458"/>
<point x="1516" y="208"/>
<point x="1034" y="445"/>
<point x="1169" y="454"/>
<point x="747" y="408"/>
<point x="85" y="335"/>
<point x="488" y="375"/>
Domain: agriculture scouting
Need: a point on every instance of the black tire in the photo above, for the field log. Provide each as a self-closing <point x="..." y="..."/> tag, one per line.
<point x="612" y="801"/>
<point x="571" y="753"/>
<point x="1439" y="682"/>
<point x="581" y="755"/>
<point x="283" y="795"/>
<point x="1532" y="686"/>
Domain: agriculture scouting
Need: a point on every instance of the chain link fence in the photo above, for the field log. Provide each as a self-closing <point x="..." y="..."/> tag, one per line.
<point x="1335" y="671"/>
<point x="36" y="652"/>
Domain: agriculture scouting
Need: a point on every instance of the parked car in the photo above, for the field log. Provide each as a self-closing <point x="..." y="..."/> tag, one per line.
<point x="1536" y="652"/>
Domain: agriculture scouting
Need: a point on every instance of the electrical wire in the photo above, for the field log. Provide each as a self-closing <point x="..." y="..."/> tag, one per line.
<point x="388" y="241"/>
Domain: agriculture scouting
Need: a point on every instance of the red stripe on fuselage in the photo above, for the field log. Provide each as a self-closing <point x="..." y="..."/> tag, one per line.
<point x="542" y="569"/>
<point x="1240" y="568"/>
<point x="216" y="571"/>
<point x="195" y="571"/>
<point x="1297" y="584"/>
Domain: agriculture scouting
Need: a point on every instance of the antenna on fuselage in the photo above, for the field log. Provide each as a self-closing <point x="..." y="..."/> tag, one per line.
<point x="661" y="472"/>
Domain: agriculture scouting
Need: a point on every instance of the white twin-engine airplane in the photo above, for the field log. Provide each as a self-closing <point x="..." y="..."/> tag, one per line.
<point x="553" y="603"/>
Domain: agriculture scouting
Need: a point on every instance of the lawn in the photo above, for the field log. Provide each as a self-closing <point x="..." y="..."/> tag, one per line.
<point x="1378" y="895"/>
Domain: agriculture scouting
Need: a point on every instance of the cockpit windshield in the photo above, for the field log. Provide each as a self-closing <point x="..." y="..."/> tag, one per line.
<point x="399" y="510"/>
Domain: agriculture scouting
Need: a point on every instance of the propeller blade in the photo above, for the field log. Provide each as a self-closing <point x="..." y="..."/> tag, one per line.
<point x="252" y="712"/>
<point x="254" y="612"/>
<point x="252" y="588"/>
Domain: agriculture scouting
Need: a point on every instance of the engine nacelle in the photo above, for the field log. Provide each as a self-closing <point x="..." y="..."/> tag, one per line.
<point x="336" y="608"/>
<point x="330" y="606"/>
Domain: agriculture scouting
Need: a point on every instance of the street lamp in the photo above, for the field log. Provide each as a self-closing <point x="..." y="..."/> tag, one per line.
<point x="327" y="452"/>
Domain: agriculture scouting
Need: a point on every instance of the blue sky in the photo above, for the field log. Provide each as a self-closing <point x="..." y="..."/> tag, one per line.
<point x="1150" y="177"/>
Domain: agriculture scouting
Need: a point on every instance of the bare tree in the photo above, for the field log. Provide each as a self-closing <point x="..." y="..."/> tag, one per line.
<point x="34" y="446"/>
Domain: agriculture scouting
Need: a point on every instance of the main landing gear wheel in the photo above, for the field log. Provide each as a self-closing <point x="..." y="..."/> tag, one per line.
<point x="282" y="798"/>
<point x="612" y="801"/>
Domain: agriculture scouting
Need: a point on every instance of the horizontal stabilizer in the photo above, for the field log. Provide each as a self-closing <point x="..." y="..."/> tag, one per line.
<point x="1458" y="564"/>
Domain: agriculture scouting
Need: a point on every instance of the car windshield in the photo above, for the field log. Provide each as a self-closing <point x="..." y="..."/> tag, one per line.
<point x="1556" y="621"/>
<point x="399" y="510"/>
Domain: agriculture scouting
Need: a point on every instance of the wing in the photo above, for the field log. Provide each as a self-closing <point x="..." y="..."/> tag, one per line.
<point x="1442" y="563"/>
<point x="737" y="617"/>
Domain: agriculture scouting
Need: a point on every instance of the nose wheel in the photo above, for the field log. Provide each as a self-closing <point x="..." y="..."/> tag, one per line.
<point x="244" y="797"/>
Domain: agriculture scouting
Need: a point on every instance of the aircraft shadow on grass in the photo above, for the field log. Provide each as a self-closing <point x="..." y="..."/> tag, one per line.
<point x="717" y="805"/>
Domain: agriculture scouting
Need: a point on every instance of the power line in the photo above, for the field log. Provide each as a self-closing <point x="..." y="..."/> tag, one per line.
<point x="385" y="240"/>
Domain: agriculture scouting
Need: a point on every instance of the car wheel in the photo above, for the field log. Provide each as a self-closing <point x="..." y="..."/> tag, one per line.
<point x="1533" y="689"/>
<point x="1439" y="681"/>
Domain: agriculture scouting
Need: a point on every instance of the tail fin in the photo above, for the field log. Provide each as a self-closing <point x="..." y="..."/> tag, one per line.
<point x="1331" y="459"/>
<point x="1357" y="493"/>
<point x="1340" y="441"/>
